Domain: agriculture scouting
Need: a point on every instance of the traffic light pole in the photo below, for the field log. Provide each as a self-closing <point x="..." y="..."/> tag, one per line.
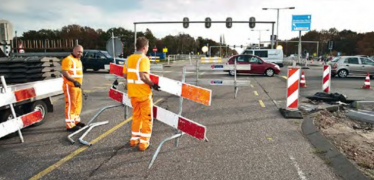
<point x="201" y="22"/>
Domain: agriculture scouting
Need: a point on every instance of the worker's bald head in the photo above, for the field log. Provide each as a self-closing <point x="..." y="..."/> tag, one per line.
<point x="78" y="51"/>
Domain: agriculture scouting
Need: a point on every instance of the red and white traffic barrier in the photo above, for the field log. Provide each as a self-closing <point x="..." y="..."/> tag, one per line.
<point x="302" y="81"/>
<point x="367" y="82"/>
<point x="14" y="125"/>
<point x="30" y="90"/>
<point x="188" y="91"/>
<point x="174" y="120"/>
<point x="293" y="88"/>
<point x="326" y="81"/>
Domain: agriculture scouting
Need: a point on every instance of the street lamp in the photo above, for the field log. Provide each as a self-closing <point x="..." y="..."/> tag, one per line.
<point x="277" y="18"/>
<point x="259" y="37"/>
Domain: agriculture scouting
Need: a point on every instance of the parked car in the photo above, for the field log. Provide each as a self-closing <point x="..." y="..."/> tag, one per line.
<point x="97" y="59"/>
<point x="258" y="65"/>
<point x="269" y="55"/>
<point x="351" y="65"/>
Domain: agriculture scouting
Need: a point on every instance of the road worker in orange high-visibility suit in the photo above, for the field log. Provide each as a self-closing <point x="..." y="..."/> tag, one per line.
<point x="139" y="90"/>
<point x="72" y="71"/>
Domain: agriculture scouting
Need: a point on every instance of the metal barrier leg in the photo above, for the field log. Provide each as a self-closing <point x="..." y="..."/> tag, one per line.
<point x="76" y="132"/>
<point x="92" y="119"/>
<point x="91" y="127"/>
<point x="180" y="106"/>
<point x="160" y="146"/>
<point x="236" y="91"/>
<point x="2" y="78"/>
<point x="15" y="118"/>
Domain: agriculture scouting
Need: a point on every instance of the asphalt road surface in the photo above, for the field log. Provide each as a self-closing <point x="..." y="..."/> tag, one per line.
<point x="248" y="138"/>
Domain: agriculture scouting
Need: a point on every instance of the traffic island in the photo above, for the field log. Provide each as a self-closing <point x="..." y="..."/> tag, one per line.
<point x="331" y="131"/>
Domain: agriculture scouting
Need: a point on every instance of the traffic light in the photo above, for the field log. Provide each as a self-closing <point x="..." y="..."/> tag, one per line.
<point x="252" y="22"/>
<point x="208" y="22"/>
<point x="229" y="22"/>
<point x="185" y="22"/>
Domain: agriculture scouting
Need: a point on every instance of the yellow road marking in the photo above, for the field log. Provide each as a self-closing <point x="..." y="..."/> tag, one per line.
<point x="88" y="91"/>
<point x="255" y="93"/>
<point x="81" y="149"/>
<point x="101" y="87"/>
<point x="285" y="77"/>
<point x="261" y="103"/>
<point x="252" y="86"/>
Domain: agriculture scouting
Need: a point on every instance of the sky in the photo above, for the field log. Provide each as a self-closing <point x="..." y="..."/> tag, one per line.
<point x="28" y="15"/>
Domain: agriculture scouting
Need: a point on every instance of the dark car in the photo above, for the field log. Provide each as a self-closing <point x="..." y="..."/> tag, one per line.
<point x="97" y="59"/>
<point x="258" y="66"/>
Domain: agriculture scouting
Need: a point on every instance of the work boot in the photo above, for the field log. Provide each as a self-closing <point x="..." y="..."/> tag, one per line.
<point x="80" y="124"/>
<point x="133" y="143"/>
<point x="73" y="129"/>
<point x="143" y="146"/>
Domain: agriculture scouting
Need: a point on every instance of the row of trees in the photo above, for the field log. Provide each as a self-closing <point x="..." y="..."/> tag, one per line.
<point x="347" y="42"/>
<point x="90" y="38"/>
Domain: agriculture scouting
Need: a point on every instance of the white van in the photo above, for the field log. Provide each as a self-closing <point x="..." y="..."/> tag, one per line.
<point x="269" y="55"/>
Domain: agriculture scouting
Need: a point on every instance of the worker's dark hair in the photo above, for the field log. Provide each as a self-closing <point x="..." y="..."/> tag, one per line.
<point x="141" y="42"/>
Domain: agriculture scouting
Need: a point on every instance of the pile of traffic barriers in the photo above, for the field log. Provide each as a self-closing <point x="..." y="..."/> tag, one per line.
<point x="29" y="69"/>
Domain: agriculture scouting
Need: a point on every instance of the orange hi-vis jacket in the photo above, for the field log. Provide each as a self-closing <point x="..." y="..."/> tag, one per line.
<point x="74" y="68"/>
<point x="73" y="95"/>
<point x="136" y="87"/>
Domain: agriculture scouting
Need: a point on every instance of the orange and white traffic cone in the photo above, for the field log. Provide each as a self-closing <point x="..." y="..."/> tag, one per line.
<point x="302" y="81"/>
<point x="367" y="82"/>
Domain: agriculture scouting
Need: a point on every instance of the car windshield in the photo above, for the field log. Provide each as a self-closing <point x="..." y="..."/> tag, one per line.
<point x="106" y="54"/>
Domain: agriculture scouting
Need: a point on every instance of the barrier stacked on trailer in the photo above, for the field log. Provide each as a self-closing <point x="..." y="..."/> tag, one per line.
<point x="29" y="69"/>
<point x="32" y="92"/>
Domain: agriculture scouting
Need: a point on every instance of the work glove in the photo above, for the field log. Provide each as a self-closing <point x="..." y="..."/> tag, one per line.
<point x="156" y="87"/>
<point x="77" y="84"/>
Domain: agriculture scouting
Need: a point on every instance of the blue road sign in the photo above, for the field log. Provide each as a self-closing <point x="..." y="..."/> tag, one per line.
<point x="301" y="22"/>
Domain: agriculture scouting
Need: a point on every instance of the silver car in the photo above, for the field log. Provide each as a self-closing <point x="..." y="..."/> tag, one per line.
<point x="351" y="65"/>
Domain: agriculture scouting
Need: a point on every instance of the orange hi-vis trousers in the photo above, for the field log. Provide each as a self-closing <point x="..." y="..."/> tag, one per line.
<point x="141" y="127"/>
<point x="73" y="105"/>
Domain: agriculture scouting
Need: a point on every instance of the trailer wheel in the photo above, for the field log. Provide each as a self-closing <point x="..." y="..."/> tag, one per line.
<point x="42" y="107"/>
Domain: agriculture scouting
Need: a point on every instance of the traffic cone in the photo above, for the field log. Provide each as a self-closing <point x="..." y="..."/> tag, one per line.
<point x="302" y="81"/>
<point x="367" y="82"/>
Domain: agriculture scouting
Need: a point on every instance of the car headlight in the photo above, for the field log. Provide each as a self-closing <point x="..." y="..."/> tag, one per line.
<point x="276" y="66"/>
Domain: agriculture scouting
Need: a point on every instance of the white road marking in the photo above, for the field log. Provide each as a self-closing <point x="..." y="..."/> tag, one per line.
<point x="299" y="171"/>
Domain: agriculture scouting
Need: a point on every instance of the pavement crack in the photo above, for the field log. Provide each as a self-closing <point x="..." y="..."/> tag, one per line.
<point x="107" y="160"/>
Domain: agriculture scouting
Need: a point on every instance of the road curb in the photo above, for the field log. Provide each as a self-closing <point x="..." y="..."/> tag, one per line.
<point x="328" y="152"/>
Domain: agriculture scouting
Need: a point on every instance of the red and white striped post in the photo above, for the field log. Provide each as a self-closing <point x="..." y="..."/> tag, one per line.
<point x="293" y="85"/>
<point x="326" y="79"/>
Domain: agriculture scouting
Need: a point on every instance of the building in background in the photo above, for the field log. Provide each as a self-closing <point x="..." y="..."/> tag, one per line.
<point x="6" y="36"/>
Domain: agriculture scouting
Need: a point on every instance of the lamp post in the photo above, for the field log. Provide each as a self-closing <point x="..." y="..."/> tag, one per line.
<point x="259" y="36"/>
<point x="277" y="18"/>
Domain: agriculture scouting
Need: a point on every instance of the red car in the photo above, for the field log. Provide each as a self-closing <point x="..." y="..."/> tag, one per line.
<point x="258" y="66"/>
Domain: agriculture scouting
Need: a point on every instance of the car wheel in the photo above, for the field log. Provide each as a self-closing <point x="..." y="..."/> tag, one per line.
<point x="232" y="72"/>
<point x="343" y="73"/>
<point x="269" y="72"/>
